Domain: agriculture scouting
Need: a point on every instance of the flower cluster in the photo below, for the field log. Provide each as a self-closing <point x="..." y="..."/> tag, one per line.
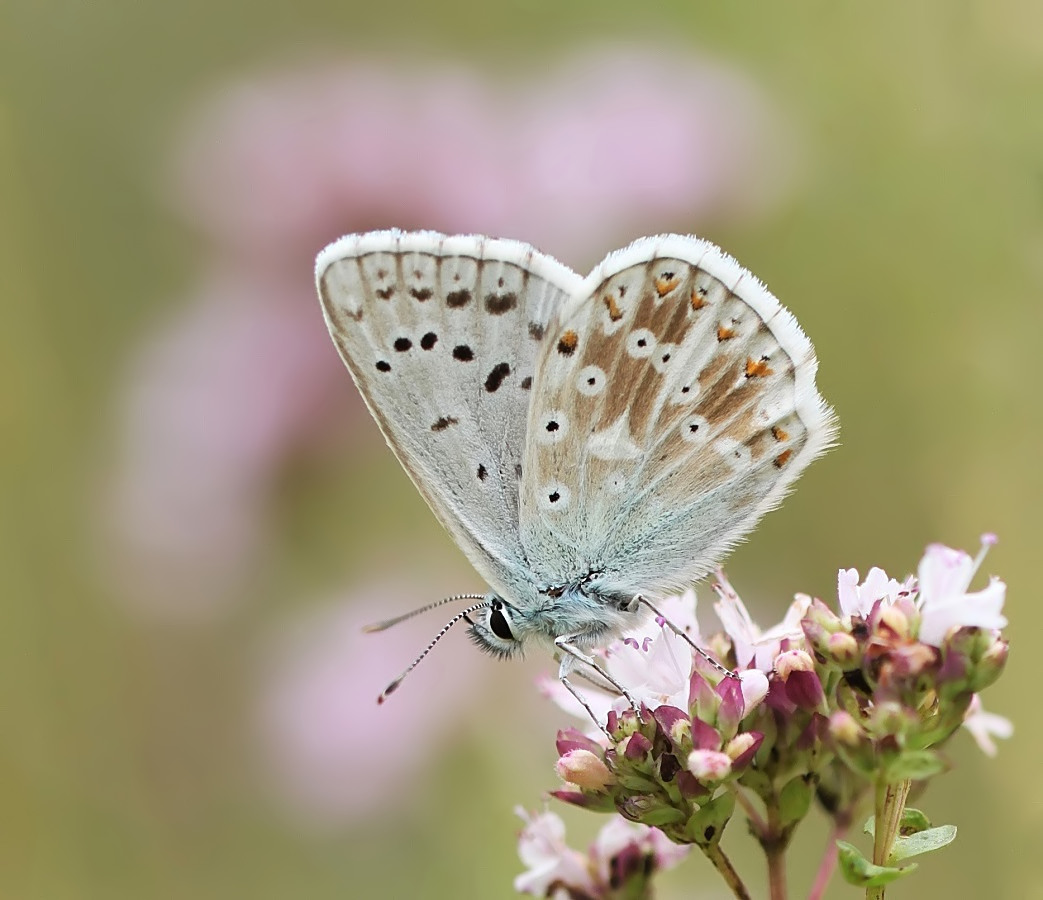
<point x="619" y="864"/>
<point x="833" y="706"/>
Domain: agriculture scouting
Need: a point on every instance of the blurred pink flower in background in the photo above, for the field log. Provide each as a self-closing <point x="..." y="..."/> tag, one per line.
<point x="334" y="755"/>
<point x="242" y="377"/>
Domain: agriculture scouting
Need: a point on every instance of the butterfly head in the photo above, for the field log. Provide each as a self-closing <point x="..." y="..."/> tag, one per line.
<point x="587" y="616"/>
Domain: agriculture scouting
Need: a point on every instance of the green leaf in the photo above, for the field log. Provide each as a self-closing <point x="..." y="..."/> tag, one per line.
<point x="859" y="871"/>
<point x="633" y="782"/>
<point x="706" y="825"/>
<point x="665" y="815"/>
<point x="795" y="800"/>
<point x="922" y="842"/>
<point x="914" y="765"/>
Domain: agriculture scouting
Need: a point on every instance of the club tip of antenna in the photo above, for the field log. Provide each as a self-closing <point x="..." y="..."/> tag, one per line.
<point x="388" y="691"/>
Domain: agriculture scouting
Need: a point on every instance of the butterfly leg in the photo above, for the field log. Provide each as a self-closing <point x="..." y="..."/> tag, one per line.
<point x="724" y="670"/>
<point x="582" y="702"/>
<point x="573" y="653"/>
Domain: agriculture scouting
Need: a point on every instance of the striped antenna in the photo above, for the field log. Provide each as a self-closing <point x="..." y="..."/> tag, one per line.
<point x="387" y="623"/>
<point x="391" y="688"/>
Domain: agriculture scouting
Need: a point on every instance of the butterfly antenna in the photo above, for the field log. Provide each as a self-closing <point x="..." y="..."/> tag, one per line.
<point x="387" y="623"/>
<point x="724" y="670"/>
<point x="391" y="688"/>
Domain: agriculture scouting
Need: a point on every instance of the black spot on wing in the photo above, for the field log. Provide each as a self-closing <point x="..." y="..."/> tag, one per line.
<point x="429" y="340"/>
<point x="463" y="353"/>
<point x="383" y="365"/>
<point x="458" y="299"/>
<point x="444" y="422"/>
<point x="402" y="344"/>
<point x="498" y="304"/>
<point x="496" y="376"/>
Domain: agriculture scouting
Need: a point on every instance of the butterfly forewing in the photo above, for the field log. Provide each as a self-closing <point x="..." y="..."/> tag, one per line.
<point x="674" y="404"/>
<point x="441" y="336"/>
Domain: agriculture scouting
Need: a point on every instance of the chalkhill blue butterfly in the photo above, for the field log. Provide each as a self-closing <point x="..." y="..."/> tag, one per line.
<point x="590" y="443"/>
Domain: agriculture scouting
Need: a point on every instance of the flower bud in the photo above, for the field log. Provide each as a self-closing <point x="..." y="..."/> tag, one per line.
<point x="636" y="746"/>
<point x="793" y="661"/>
<point x="844" y="728"/>
<point x="842" y="649"/>
<point x="741" y="748"/>
<point x="991" y="664"/>
<point x="585" y="770"/>
<point x="709" y="765"/>
<point x="891" y="719"/>
<point x="894" y="620"/>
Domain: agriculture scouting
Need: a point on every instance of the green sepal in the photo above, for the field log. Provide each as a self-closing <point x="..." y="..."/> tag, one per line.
<point x="859" y="871"/>
<point x="914" y="765"/>
<point x="913" y="820"/>
<point x="706" y="825"/>
<point x="795" y="800"/>
<point x="922" y="842"/>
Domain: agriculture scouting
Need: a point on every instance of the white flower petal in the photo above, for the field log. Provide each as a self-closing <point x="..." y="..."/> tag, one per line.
<point x="984" y="726"/>
<point x="943" y="572"/>
<point x="982" y="609"/>
<point x="754" y="687"/>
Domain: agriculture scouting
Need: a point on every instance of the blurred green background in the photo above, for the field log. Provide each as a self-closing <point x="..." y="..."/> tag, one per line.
<point x="907" y="236"/>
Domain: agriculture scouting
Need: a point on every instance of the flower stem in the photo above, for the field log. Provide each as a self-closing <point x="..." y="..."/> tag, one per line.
<point x="890" y="804"/>
<point x="829" y="860"/>
<point x="777" y="872"/>
<point x="716" y="855"/>
<point x="775" y="841"/>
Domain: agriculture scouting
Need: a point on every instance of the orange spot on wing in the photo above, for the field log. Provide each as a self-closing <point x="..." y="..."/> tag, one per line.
<point x="783" y="458"/>
<point x="780" y="434"/>
<point x="724" y="333"/>
<point x="568" y="343"/>
<point x="614" y="312"/>
<point x="698" y="299"/>
<point x="663" y="286"/>
<point x="756" y="368"/>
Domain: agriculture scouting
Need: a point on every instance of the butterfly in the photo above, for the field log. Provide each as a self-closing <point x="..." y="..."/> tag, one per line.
<point x="589" y="443"/>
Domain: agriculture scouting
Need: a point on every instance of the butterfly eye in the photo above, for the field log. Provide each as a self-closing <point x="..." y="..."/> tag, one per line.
<point x="499" y="626"/>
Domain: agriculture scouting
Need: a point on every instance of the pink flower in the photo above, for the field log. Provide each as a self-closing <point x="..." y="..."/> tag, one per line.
<point x="548" y="859"/>
<point x="753" y="646"/>
<point x="944" y="576"/>
<point x="244" y="380"/>
<point x="332" y="754"/>
<point x="215" y="404"/>
<point x="619" y="839"/>
<point x="984" y="726"/>
<point x="655" y="666"/>
<point x="622" y="853"/>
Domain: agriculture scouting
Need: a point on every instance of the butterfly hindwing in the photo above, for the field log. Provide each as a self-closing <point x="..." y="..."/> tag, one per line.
<point x="674" y="405"/>
<point x="441" y="336"/>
